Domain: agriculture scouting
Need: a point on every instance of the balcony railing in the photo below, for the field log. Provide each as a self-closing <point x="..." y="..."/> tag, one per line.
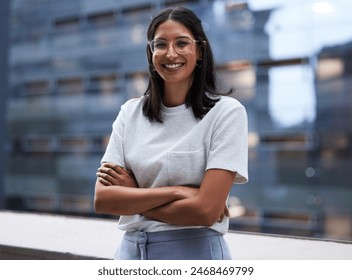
<point x="42" y="236"/>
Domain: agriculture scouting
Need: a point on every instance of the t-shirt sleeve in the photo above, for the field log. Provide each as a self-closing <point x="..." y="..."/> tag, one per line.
<point x="115" y="149"/>
<point x="229" y="142"/>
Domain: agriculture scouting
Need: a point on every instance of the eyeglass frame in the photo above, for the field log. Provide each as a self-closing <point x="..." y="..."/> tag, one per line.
<point x="173" y="42"/>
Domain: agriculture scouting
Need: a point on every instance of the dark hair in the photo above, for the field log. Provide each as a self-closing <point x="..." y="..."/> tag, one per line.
<point x="203" y="86"/>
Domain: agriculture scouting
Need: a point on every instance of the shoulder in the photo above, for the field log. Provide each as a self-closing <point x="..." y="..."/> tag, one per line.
<point x="228" y="105"/>
<point x="228" y="102"/>
<point x="228" y="111"/>
<point x="132" y="106"/>
<point x="129" y="109"/>
<point x="133" y="103"/>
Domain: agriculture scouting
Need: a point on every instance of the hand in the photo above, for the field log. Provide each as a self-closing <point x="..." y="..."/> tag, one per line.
<point x="226" y="213"/>
<point x="110" y="174"/>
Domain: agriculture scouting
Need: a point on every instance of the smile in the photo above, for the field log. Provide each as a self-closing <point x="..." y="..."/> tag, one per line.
<point x="173" y="65"/>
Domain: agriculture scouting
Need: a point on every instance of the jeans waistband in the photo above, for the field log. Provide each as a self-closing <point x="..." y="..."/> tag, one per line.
<point x="168" y="235"/>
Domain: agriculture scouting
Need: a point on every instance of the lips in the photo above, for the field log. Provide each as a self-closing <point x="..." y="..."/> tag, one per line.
<point x="173" y="65"/>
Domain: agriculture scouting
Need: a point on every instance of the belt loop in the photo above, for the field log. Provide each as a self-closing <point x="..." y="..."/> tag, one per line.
<point x="141" y="241"/>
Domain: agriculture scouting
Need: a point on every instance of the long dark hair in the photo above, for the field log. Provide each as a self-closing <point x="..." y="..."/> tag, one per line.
<point x="202" y="94"/>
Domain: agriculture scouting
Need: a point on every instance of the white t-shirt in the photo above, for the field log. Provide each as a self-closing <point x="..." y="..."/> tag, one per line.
<point x="179" y="150"/>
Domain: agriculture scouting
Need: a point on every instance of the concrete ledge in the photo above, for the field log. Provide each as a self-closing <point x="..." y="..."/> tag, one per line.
<point x="19" y="253"/>
<point x="41" y="236"/>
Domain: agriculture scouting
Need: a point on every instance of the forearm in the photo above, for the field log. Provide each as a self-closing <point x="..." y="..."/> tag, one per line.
<point x="203" y="209"/>
<point x="184" y="212"/>
<point x="119" y="200"/>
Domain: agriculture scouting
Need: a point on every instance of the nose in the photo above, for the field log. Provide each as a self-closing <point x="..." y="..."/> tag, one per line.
<point x="170" y="52"/>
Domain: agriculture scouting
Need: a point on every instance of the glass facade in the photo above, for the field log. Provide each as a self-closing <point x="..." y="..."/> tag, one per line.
<point x="73" y="63"/>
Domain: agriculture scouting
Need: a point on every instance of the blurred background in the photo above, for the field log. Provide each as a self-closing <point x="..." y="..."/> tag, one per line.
<point x="67" y="66"/>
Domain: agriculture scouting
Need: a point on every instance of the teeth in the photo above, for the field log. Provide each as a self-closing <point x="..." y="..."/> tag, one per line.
<point x="173" y="66"/>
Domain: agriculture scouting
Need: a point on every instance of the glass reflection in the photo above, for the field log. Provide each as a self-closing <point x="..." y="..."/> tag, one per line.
<point x="291" y="97"/>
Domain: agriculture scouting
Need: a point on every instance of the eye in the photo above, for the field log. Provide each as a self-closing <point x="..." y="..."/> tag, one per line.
<point x="158" y="44"/>
<point x="182" y="43"/>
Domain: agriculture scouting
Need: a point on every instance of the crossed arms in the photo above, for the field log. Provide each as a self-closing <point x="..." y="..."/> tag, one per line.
<point x="117" y="193"/>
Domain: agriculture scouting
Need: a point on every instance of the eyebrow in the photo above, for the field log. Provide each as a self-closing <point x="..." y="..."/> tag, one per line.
<point x="179" y="37"/>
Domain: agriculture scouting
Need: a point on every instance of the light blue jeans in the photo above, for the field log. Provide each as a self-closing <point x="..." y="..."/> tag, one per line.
<point x="184" y="244"/>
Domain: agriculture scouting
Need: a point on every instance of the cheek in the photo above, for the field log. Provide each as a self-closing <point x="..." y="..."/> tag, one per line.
<point x="192" y="63"/>
<point x="156" y="62"/>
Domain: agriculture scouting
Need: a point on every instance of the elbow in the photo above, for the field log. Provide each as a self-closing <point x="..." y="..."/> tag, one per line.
<point x="208" y="217"/>
<point x="209" y="221"/>
<point x="102" y="201"/>
<point x="206" y="214"/>
<point x="98" y="205"/>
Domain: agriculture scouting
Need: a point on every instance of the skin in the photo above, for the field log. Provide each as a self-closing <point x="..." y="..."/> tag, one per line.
<point x="116" y="190"/>
<point x="176" y="81"/>
<point x="117" y="193"/>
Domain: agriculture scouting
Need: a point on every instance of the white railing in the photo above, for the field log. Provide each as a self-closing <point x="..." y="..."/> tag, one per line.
<point x="42" y="236"/>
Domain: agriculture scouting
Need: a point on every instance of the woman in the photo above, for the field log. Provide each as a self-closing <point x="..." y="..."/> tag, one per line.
<point x="175" y="152"/>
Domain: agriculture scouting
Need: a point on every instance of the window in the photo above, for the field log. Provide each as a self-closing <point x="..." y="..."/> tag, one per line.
<point x="239" y="75"/>
<point x="329" y="68"/>
<point x="136" y="11"/>
<point x="38" y="144"/>
<point x="65" y="24"/>
<point x="136" y="84"/>
<point x="102" y="19"/>
<point x="38" y="87"/>
<point x="70" y="85"/>
<point x="104" y="84"/>
<point x="73" y="144"/>
<point x="136" y="15"/>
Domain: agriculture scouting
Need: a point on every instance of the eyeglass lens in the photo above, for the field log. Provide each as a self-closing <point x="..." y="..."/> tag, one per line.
<point x="181" y="45"/>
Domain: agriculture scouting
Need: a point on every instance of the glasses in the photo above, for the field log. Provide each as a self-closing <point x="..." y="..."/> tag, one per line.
<point x="180" y="45"/>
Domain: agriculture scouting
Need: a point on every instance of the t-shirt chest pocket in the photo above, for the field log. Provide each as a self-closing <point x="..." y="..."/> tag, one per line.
<point x="186" y="168"/>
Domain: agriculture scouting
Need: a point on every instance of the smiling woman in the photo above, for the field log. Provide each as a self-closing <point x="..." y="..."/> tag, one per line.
<point x="175" y="152"/>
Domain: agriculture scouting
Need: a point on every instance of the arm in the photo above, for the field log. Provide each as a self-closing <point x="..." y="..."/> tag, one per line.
<point x="120" y="200"/>
<point x="203" y="209"/>
<point x="117" y="193"/>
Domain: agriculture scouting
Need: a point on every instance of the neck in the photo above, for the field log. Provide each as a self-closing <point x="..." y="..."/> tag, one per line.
<point x="175" y="94"/>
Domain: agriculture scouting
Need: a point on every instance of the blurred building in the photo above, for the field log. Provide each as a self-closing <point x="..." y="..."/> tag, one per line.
<point x="74" y="62"/>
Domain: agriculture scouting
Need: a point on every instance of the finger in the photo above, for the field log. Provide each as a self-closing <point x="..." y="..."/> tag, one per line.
<point x="129" y="173"/>
<point x="108" y="171"/>
<point x="104" y="182"/>
<point x="106" y="177"/>
<point x="119" y="169"/>
<point x="227" y="212"/>
<point x="115" y="167"/>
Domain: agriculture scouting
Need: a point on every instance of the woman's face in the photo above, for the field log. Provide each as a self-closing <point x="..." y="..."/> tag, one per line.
<point x="174" y="67"/>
